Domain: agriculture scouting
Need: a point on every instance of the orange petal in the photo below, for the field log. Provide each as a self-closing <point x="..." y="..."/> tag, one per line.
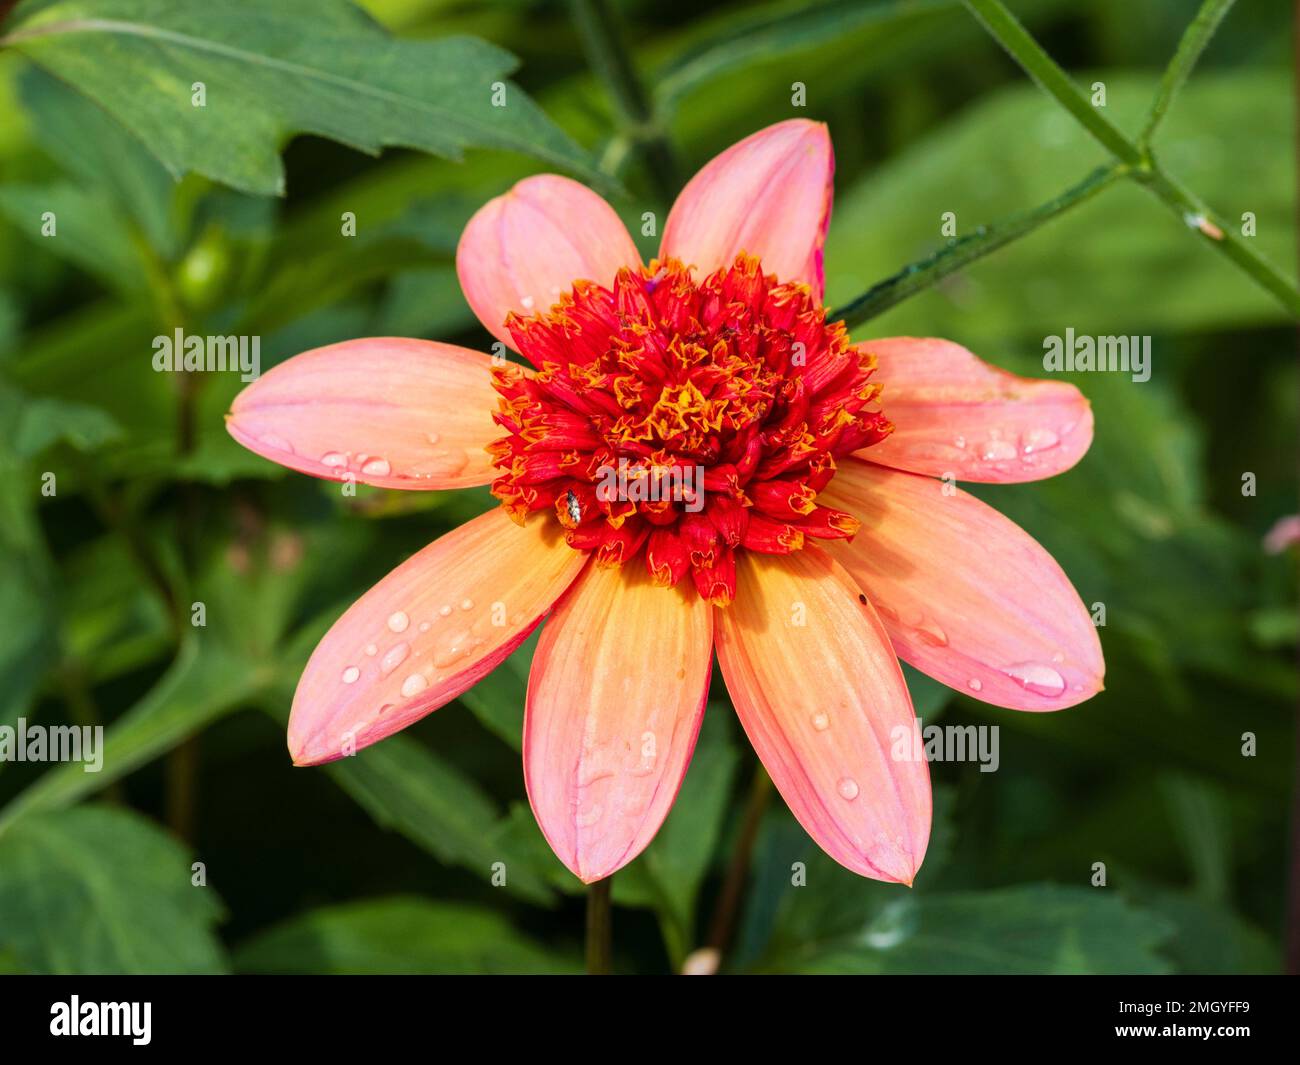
<point x="385" y="411"/>
<point x="769" y="195"/>
<point x="615" y="700"/>
<point x="428" y="631"/>
<point x="955" y="415"/>
<point x="966" y="595"/>
<point x="821" y="696"/>
<point x="522" y="250"/>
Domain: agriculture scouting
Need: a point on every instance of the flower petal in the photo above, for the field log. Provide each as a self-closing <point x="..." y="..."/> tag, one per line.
<point x="386" y="411"/>
<point x="615" y="700"/>
<point x="820" y="694"/>
<point x="954" y="414"/>
<point x="966" y="595"/>
<point x="769" y="195"/>
<point x="427" y="632"/>
<point x="522" y="250"/>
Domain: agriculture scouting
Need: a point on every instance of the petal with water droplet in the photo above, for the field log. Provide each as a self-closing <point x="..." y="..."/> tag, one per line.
<point x="1017" y="633"/>
<point x="798" y="642"/>
<point x="527" y="569"/>
<point x="606" y="740"/>
<point x="362" y="410"/>
<point x="954" y="414"/>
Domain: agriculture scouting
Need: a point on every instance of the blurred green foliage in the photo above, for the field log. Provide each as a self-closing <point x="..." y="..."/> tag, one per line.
<point x="385" y="862"/>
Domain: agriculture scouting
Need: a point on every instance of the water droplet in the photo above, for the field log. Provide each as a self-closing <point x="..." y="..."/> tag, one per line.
<point x="821" y="722"/>
<point x="1058" y="657"/>
<point x="444" y="610"/>
<point x="371" y="649"/>
<point x="276" y="443"/>
<point x="455" y="647"/>
<point x="527" y="302"/>
<point x="334" y="459"/>
<point x="394" y="658"/>
<point x="929" y="632"/>
<point x="589" y="817"/>
<point x="998" y="451"/>
<point x="414" y="684"/>
<point x="467" y="604"/>
<point x="377" y="468"/>
<point x="960" y="441"/>
<point x="424" y="626"/>
<point x="397" y="621"/>
<point x="433" y="438"/>
<point x="351" y="674"/>
<point x="848" y="789"/>
<point x="1037" y="678"/>
<point x="1038" y="440"/>
<point x="975" y="684"/>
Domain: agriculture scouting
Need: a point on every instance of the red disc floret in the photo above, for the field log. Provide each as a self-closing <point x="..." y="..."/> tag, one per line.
<point x="684" y="420"/>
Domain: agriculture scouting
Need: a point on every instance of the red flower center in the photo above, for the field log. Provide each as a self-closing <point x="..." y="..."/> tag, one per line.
<point x="687" y="419"/>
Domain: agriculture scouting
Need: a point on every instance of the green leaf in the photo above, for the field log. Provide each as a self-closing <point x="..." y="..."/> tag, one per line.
<point x="269" y="71"/>
<point x="87" y="229"/>
<point x="99" y="890"/>
<point x="775" y="31"/>
<point x="100" y="154"/>
<point x="406" y="787"/>
<point x="201" y="685"/>
<point x="399" y="935"/>
<point x="1038" y="929"/>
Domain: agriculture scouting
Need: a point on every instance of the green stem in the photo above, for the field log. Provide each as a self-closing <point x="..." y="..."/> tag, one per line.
<point x="611" y="61"/>
<point x="1198" y="217"/>
<point x="599" y="935"/>
<point x="1008" y="32"/>
<point x="921" y="275"/>
<point x="1195" y="38"/>
<point x="1141" y="166"/>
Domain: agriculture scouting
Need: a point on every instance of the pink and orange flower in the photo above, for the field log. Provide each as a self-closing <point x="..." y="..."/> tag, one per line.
<point x="822" y="540"/>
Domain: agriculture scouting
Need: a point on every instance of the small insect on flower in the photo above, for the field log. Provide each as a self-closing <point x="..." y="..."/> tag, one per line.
<point x="574" y="507"/>
<point x="823" y="536"/>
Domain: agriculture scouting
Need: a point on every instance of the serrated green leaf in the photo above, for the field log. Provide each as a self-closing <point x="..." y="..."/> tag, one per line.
<point x="100" y="890"/>
<point x="269" y="71"/>
<point x="408" y="788"/>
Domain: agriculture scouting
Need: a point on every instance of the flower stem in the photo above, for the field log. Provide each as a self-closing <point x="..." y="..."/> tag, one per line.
<point x="1130" y="159"/>
<point x="921" y="275"/>
<point x="611" y="62"/>
<point x="1195" y="38"/>
<point x="599" y="937"/>
<point x="733" y="884"/>
<point x="1007" y="30"/>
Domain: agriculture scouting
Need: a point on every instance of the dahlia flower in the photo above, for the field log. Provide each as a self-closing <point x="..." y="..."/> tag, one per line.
<point x="814" y="533"/>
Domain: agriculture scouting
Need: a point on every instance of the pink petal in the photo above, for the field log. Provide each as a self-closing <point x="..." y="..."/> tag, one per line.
<point x="821" y="697"/>
<point x="522" y="250"/>
<point x="966" y="595"/>
<point x="427" y="632"/>
<point x="769" y="195"/>
<point x="615" y="701"/>
<point x="955" y="415"/>
<point x="385" y="411"/>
